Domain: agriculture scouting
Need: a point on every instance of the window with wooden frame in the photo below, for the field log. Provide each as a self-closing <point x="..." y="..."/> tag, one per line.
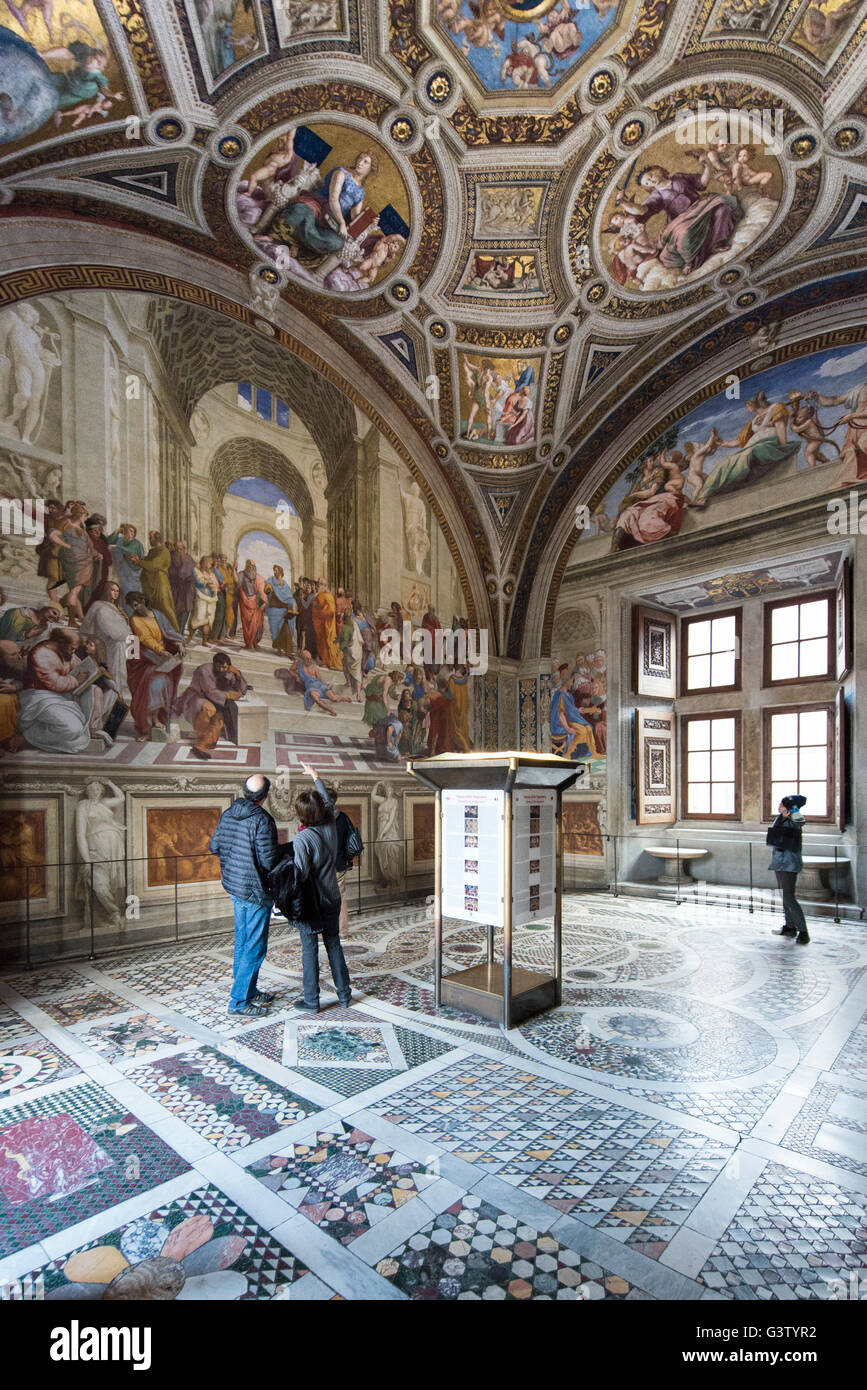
<point x="710" y="763"/>
<point x="799" y="639"/>
<point x="711" y="653"/>
<point x="799" y="756"/>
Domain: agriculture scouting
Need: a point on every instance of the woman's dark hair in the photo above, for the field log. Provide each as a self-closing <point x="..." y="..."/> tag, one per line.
<point x="311" y="809"/>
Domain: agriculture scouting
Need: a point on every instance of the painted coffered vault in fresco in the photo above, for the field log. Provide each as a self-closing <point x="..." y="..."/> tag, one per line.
<point x="487" y="225"/>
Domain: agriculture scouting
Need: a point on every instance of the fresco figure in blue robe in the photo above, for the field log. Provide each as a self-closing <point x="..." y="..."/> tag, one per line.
<point x="568" y="721"/>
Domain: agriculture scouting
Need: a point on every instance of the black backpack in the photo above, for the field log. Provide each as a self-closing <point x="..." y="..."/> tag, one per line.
<point x="300" y="900"/>
<point x="286" y="891"/>
<point x="349" y="842"/>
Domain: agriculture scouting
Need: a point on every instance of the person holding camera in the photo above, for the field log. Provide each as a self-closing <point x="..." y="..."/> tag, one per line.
<point x="784" y="836"/>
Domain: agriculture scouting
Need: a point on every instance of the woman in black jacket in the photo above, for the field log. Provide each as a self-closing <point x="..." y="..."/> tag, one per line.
<point x="314" y="900"/>
<point x="786" y="862"/>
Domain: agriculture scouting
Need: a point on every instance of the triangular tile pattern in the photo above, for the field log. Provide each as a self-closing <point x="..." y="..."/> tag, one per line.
<point x="600" y="357"/>
<point x="158" y="182"/>
<point x="402" y="347"/>
<point x="851" y="217"/>
<point x="505" y="506"/>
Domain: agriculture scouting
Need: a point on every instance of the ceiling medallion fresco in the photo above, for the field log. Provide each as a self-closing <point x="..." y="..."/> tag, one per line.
<point x="328" y="205"/>
<point x="505" y="228"/>
<point x="683" y="208"/>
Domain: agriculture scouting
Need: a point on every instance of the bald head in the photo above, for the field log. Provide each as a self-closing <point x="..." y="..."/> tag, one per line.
<point x="256" y="788"/>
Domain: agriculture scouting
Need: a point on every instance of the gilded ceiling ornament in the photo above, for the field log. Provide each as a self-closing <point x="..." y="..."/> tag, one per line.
<point x="501" y="337"/>
<point x="601" y="85"/>
<point x="230" y="147"/>
<point x="522" y="13"/>
<point x="552" y="389"/>
<point x="438" y="329"/>
<point x="482" y="459"/>
<point x="645" y="34"/>
<point x="803" y="146"/>
<point x="632" y="132"/>
<point x="168" y="129"/>
<point x="524" y="128"/>
<point x="730" y="277"/>
<point x="439" y="87"/>
<point x="404" y="41"/>
<point x="562" y="333"/>
<point x="144" y="52"/>
<point x="846" y="137"/>
<point x="401" y="130"/>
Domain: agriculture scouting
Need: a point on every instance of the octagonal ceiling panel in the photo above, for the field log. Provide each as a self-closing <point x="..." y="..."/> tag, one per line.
<point x="533" y="47"/>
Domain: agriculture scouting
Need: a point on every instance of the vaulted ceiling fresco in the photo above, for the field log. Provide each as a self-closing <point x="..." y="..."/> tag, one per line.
<point x="523" y="236"/>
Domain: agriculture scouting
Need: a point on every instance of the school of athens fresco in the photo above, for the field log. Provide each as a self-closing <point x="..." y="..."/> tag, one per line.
<point x="498" y="234"/>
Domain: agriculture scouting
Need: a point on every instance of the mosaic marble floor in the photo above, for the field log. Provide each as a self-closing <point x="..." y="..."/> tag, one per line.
<point x="690" y="1124"/>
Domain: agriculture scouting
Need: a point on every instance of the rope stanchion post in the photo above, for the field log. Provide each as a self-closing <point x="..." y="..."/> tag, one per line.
<point x="92" y="955"/>
<point x="27" y="915"/>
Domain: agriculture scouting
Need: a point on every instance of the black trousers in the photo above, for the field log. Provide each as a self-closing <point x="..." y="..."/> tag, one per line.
<point x="791" y="906"/>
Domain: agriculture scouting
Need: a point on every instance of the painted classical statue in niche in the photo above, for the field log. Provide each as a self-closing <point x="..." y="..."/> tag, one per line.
<point x="415" y="525"/>
<point x="28" y="355"/>
<point x="389" y="849"/>
<point x="99" y="836"/>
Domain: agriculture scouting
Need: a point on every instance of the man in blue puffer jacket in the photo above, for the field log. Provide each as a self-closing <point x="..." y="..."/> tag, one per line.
<point x="246" y="841"/>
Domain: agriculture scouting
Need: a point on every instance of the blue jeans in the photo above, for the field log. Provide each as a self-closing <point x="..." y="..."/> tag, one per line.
<point x="251" y="944"/>
<point x="310" y="961"/>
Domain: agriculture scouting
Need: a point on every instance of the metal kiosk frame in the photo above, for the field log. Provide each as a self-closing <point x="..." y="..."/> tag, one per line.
<point x="505" y="993"/>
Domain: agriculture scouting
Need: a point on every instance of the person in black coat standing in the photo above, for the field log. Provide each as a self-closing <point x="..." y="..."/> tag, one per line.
<point x="316" y="906"/>
<point x="246" y="842"/>
<point x="785" y="838"/>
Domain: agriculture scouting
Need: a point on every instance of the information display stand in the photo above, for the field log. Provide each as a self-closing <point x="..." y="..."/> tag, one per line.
<point x="499" y="863"/>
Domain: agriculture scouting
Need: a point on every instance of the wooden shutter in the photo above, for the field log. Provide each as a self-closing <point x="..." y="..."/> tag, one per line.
<point x="655" y="795"/>
<point x="841" y="783"/>
<point x="843" y="619"/>
<point x="654" y="652"/>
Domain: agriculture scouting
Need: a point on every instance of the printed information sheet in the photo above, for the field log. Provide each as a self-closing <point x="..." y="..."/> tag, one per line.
<point x="533" y="849"/>
<point x="473" y="856"/>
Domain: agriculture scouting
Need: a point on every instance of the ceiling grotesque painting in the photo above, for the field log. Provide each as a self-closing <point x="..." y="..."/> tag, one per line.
<point x="532" y="245"/>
